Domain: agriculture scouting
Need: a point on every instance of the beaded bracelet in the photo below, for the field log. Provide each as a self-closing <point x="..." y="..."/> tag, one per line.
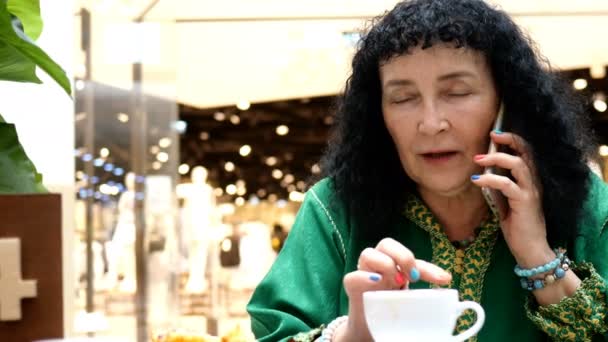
<point x="558" y="273"/>
<point x="527" y="273"/>
<point x="328" y="333"/>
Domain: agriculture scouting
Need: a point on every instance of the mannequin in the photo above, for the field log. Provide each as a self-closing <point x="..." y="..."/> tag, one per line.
<point x="197" y="222"/>
<point x="256" y="253"/>
<point x="121" y="248"/>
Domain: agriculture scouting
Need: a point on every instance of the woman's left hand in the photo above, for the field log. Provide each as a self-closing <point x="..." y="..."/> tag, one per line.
<point x="523" y="226"/>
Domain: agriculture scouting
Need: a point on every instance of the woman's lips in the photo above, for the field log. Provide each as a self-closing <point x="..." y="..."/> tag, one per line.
<point x="439" y="157"/>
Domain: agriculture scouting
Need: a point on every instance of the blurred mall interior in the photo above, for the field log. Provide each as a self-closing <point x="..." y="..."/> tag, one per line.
<point x="195" y="129"/>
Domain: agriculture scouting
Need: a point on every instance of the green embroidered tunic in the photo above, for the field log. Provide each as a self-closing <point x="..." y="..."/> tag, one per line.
<point x="303" y="290"/>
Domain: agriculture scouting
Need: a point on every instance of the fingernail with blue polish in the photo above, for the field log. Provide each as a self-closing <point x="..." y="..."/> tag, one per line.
<point x="414" y="275"/>
<point x="475" y="177"/>
<point x="375" y="277"/>
<point x="497" y="131"/>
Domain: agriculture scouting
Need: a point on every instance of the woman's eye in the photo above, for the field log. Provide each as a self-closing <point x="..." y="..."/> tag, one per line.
<point x="403" y="99"/>
<point x="459" y="94"/>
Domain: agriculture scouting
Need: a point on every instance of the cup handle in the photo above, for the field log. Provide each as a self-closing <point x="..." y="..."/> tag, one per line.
<point x="481" y="317"/>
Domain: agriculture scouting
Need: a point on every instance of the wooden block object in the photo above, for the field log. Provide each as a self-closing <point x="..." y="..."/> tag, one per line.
<point x="30" y="267"/>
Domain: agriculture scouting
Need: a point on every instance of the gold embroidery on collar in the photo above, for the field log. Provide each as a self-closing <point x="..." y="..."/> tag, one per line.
<point x="471" y="264"/>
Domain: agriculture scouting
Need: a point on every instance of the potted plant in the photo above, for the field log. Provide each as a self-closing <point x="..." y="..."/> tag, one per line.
<point x="20" y="26"/>
<point x="30" y="222"/>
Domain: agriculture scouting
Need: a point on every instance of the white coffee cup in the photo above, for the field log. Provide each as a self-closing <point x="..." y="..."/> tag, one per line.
<point x="427" y="315"/>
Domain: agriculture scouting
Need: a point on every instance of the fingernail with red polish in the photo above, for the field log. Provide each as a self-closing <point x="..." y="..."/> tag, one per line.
<point x="399" y="279"/>
<point x="480" y="156"/>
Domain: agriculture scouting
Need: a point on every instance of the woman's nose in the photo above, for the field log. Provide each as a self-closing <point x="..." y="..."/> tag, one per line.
<point x="432" y="121"/>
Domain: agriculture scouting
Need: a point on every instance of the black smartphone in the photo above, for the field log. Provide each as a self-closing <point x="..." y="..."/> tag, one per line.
<point x="496" y="200"/>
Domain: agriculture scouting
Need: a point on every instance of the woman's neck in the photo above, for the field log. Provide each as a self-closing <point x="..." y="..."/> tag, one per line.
<point x="459" y="215"/>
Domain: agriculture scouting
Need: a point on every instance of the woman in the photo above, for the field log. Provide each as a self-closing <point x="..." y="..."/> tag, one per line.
<point x="401" y="204"/>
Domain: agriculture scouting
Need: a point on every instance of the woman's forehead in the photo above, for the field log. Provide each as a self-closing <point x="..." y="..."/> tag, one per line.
<point x="440" y="59"/>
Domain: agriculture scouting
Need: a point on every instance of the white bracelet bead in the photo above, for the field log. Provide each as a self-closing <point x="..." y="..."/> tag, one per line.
<point x="328" y="333"/>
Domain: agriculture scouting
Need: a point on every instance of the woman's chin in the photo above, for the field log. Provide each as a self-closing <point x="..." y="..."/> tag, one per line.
<point x="449" y="189"/>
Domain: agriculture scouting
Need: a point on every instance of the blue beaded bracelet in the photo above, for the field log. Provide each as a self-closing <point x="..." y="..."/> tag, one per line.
<point x="527" y="273"/>
<point x="558" y="273"/>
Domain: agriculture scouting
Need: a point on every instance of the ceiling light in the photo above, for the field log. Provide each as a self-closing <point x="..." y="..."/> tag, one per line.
<point x="229" y="166"/>
<point x="282" y="130"/>
<point x="240" y="183"/>
<point x="254" y="200"/>
<point x="262" y="193"/>
<point x="271" y="161"/>
<point x="219" y="116"/>
<point x="157" y="165"/>
<point x="154" y="149"/>
<point x="289" y="178"/>
<point x="122" y="117"/>
<point x="204" y="136"/>
<point x="580" y="84"/>
<point x="245" y="150"/>
<point x="162" y="157"/>
<point x="164" y="142"/>
<point x="241" y="191"/>
<point x="243" y="105"/>
<point x="235" y="119"/>
<point x="180" y="126"/>
<point x="277" y="174"/>
<point x="600" y="105"/>
<point x="183" y="169"/>
<point x="231" y="189"/>
<point x="316" y="169"/>
<point x="240" y="201"/>
<point x="301" y="185"/>
<point x="104" y="152"/>
<point x="604" y="151"/>
<point x="218" y="192"/>
<point x="296" y="196"/>
<point x="98" y="162"/>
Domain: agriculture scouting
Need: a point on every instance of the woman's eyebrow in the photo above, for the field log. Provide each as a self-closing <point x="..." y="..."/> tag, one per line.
<point x="456" y="74"/>
<point x="397" y="82"/>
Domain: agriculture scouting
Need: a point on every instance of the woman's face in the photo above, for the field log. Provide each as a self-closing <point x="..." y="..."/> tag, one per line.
<point x="439" y="105"/>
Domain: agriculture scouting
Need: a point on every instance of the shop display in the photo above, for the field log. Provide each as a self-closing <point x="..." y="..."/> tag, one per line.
<point x="197" y="223"/>
<point x="183" y="336"/>
<point x="121" y="248"/>
<point x="235" y="335"/>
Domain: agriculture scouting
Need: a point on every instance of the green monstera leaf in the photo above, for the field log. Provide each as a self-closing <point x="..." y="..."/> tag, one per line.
<point x="17" y="173"/>
<point x="20" y="25"/>
<point x="28" y="12"/>
<point x="19" y="55"/>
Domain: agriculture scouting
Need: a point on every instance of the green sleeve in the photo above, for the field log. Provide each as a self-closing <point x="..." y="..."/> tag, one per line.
<point x="581" y="317"/>
<point x="301" y="292"/>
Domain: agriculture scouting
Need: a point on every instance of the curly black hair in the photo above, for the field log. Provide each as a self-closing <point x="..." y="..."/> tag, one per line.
<point x="362" y="159"/>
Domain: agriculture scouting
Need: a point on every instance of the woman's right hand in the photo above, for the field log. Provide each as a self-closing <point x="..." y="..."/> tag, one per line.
<point x="389" y="266"/>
